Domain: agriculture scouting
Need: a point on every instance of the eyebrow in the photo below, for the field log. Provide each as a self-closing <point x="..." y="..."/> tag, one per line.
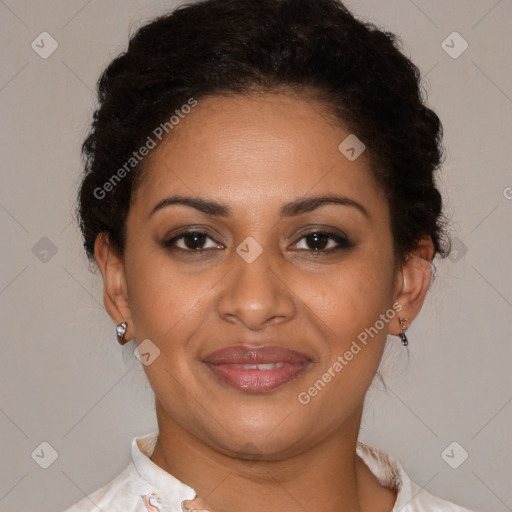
<point x="291" y="209"/>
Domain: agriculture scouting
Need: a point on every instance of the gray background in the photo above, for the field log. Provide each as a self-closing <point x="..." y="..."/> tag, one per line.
<point x="63" y="378"/>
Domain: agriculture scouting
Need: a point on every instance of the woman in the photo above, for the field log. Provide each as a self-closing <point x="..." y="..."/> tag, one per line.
<point x="259" y="197"/>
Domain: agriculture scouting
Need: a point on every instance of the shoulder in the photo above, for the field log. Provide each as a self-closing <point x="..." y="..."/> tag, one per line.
<point x="124" y="493"/>
<point x="410" y="496"/>
<point x="422" y="501"/>
<point x="140" y="487"/>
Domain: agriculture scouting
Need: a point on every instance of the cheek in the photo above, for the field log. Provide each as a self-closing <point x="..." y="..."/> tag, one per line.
<point x="350" y="309"/>
<point x="169" y="301"/>
<point x="354" y="307"/>
<point x="163" y="298"/>
<point x="351" y="296"/>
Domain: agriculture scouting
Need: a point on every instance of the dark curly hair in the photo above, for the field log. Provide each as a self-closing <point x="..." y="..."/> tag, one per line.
<point x="216" y="47"/>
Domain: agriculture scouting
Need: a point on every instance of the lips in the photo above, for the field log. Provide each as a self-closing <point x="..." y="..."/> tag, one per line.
<point x="256" y="369"/>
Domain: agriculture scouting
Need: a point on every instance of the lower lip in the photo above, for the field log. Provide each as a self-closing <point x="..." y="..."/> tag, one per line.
<point x="256" y="380"/>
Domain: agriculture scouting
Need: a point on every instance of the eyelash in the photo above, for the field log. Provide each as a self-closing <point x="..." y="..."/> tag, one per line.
<point x="343" y="242"/>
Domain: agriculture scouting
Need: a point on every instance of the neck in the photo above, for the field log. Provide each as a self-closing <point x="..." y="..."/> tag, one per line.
<point x="328" y="476"/>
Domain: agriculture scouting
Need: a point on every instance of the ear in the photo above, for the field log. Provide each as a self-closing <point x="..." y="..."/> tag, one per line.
<point x="115" y="290"/>
<point x="413" y="282"/>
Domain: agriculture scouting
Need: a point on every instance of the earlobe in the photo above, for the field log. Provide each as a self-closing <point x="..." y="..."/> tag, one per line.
<point x="413" y="283"/>
<point x="115" y="293"/>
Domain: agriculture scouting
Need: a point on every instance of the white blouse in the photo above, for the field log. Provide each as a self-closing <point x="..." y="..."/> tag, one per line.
<point x="145" y="487"/>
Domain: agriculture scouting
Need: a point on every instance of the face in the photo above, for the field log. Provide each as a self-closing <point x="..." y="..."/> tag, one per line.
<point x="257" y="254"/>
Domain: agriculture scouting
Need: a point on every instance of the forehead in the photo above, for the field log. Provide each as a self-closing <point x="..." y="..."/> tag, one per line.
<point x="257" y="150"/>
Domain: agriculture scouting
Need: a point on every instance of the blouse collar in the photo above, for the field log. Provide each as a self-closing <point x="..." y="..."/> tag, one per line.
<point x="172" y="493"/>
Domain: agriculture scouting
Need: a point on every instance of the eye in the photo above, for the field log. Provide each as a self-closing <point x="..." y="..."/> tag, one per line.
<point x="191" y="241"/>
<point x="314" y="241"/>
<point x="321" y="241"/>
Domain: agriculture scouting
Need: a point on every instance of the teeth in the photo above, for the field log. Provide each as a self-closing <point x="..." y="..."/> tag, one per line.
<point x="263" y="366"/>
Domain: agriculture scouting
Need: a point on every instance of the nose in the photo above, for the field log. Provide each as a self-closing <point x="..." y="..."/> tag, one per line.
<point x="256" y="294"/>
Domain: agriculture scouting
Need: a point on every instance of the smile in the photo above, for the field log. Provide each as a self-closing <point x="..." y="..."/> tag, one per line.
<point x="256" y="369"/>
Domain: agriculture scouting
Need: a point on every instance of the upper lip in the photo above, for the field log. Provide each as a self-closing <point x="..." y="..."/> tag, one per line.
<point x="243" y="354"/>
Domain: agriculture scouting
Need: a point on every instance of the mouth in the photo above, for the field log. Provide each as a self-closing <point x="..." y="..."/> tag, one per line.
<point x="256" y="369"/>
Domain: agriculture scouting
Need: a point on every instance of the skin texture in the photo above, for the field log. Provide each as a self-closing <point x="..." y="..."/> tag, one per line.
<point x="253" y="154"/>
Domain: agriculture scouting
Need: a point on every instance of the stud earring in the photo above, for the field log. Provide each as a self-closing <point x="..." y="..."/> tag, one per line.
<point x="120" y="332"/>
<point x="402" y="335"/>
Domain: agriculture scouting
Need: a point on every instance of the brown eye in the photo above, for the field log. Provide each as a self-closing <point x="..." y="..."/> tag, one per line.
<point x="193" y="241"/>
<point x="320" y="241"/>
